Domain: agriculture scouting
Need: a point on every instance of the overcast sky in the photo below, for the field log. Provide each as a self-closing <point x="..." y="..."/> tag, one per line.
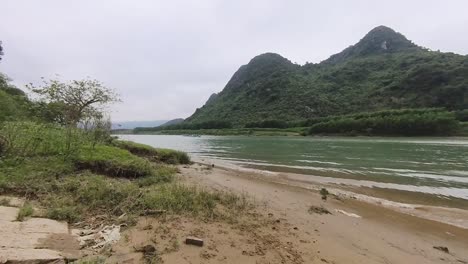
<point x="166" y="58"/>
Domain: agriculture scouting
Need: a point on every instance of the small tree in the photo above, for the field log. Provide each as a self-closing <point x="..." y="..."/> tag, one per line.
<point x="77" y="100"/>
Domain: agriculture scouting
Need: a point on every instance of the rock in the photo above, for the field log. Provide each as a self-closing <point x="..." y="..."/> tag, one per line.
<point x="37" y="240"/>
<point x="441" y="248"/>
<point x="194" y="241"/>
<point x="30" y="255"/>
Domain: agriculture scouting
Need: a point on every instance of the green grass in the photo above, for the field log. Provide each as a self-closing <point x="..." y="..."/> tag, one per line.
<point x="112" y="161"/>
<point x="101" y="179"/>
<point x="25" y="211"/>
<point x="27" y="139"/>
<point x="155" y="154"/>
<point x="179" y="198"/>
<point x="73" y="196"/>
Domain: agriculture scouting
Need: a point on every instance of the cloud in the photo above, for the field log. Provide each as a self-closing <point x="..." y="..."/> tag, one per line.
<point x="166" y="57"/>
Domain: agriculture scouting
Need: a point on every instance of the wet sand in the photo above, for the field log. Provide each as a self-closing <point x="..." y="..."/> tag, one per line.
<point x="282" y="229"/>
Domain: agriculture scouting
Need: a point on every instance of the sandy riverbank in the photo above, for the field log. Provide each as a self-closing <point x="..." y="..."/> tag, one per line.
<point x="283" y="230"/>
<point x="356" y="231"/>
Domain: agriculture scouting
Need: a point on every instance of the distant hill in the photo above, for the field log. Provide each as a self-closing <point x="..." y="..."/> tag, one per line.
<point x="133" y="124"/>
<point x="173" y="122"/>
<point x="384" y="70"/>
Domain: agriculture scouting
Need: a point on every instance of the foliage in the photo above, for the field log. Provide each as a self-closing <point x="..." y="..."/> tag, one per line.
<point x="14" y="105"/>
<point x="267" y="124"/>
<point x="1" y="51"/>
<point x="392" y="122"/>
<point x="25" y="211"/>
<point x="212" y="124"/>
<point x="324" y="193"/>
<point x="462" y="115"/>
<point x="25" y="139"/>
<point x="294" y="131"/>
<point x="364" y="78"/>
<point x="112" y="161"/>
<point x="72" y="196"/>
<point x="155" y="154"/>
<point x="179" y="198"/>
<point x="79" y="99"/>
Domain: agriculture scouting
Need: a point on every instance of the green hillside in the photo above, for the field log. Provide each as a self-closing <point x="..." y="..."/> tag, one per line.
<point x="384" y="70"/>
<point x="14" y="105"/>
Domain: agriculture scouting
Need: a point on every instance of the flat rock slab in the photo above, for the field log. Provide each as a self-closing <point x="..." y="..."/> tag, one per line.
<point x="30" y="256"/>
<point x="8" y="213"/>
<point x="36" y="240"/>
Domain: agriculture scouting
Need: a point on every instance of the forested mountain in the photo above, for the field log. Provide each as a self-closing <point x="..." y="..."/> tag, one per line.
<point x="384" y="70"/>
<point x="173" y="122"/>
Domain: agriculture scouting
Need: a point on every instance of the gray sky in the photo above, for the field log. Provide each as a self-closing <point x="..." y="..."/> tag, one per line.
<point x="166" y="58"/>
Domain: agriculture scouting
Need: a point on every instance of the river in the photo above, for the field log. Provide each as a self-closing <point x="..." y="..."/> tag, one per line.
<point x="429" y="165"/>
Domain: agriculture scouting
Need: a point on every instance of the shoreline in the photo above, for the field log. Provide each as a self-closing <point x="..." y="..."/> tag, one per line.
<point x="444" y="209"/>
<point x="271" y="132"/>
<point x="378" y="225"/>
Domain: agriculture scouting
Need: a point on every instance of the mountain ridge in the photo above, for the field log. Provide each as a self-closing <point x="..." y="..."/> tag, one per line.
<point x="384" y="70"/>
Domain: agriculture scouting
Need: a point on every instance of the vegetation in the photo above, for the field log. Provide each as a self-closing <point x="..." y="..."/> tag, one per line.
<point x="393" y="122"/>
<point x="57" y="151"/>
<point x="114" y="162"/>
<point x="187" y="126"/>
<point x="318" y="210"/>
<point x="13" y="103"/>
<point x="268" y="124"/>
<point x="74" y="186"/>
<point x="25" y="211"/>
<point x="155" y="154"/>
<point x="402" y="122"/>
<point x="324" y="193"/>
<point x="383" y="71"/>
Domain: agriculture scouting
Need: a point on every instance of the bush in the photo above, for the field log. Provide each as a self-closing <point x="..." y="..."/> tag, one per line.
<point x="155" y="154"/>
<point x="26" y="139"/>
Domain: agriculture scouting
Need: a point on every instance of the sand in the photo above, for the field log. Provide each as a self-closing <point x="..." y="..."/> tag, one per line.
<point x="282" y="230"/>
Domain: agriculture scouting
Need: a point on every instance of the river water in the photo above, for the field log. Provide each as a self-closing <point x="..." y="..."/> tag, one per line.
<point x="429" y="165"/>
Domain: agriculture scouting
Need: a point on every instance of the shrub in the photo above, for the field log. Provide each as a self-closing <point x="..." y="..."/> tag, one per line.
<point x="155" y="154"/>
<point x="25" y="211"/>
<point x="411" y="122"/>
<point x="26" y="139"/>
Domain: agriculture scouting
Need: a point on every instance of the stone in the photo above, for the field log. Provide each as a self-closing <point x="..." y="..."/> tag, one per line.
<point x="194" y="241"/>
<point x="37" y="240"/>
<point x="441" y="248"/>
